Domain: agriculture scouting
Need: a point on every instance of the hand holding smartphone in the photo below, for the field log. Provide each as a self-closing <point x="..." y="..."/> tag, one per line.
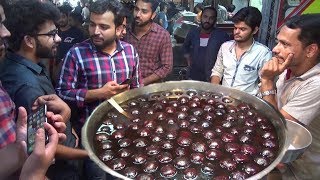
<point x="127" y="81"/>
<point x="34" y="122"/>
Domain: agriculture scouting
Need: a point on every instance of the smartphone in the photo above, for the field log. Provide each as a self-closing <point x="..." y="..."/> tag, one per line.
<point x="127" y="81"/>
<point x="34" y="122"/>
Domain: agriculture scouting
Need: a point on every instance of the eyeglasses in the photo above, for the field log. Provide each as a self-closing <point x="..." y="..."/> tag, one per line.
<point x="52" y="34"/>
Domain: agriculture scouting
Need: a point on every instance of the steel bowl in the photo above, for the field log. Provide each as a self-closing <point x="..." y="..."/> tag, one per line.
<point x="300" y="139"/>
<point x="96" y="118"/>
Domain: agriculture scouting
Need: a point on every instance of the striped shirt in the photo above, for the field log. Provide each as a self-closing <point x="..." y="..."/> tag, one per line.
<point x="85" y="68"/>
<point x="7" y="115"/>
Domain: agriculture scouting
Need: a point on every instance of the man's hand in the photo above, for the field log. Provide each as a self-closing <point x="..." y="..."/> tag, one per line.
<point x="41" y="158"/>
<point x="112" y="88"/>
<point x="55" y="105"/>
<point x="275" y="67"/>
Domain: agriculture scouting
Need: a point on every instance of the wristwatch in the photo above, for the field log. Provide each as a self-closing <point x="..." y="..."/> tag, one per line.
<point x="267" y="93"/>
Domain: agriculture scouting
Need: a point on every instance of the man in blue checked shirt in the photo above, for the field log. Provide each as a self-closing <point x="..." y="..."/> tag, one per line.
<point x="93" y="70"/>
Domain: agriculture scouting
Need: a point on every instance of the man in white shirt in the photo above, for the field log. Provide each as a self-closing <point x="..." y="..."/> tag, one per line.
<point x="240" y="60"/>
<point x="296" y="93"/>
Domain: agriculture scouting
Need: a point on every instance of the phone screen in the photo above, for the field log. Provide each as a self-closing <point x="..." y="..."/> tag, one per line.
<point x="35" y="121"/>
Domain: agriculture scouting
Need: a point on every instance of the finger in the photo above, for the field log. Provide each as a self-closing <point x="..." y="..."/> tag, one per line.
<point x="53" y="135"/>
<point x="121" y="87"/>
<point x="287" y="62"/>
<point x="60" y="127"/>
<point x="22" y="118"/>
<point x="62" y="137"/>
<point x="39" y="144"/>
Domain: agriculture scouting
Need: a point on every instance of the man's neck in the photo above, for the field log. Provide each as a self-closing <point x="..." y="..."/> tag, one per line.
<point x="204" y="31"/>
<point x="244" y="45"/>
<point x="111" y="48"/>
<point x="65" y="28"/>
<point x="30" y="56"/>
<point x="304" y="67"/>
<point x="139" y="31"/>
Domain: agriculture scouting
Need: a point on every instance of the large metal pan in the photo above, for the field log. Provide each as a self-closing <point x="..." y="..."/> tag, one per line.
<point x="98" y="115"/>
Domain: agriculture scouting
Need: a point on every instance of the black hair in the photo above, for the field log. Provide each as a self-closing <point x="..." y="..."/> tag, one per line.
<point x="200" y="6"/>
<point x="76" y="16"/>
<point x="154" y="4"/>
<point x="114" y="6"/>
<point x="309" y="24"/>
<point x="65" y="9"/>
<point x="25" y="17"/>
<point x="163" y="5"/>
<point x="210" y="8"/>
<point x="251" y="16"/>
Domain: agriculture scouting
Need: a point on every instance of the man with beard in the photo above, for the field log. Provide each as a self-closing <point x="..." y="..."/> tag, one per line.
<point x="94" y="69"/>
<point x="295" y="68"/>
<point x="152" y="42"/>
<point x="69" y="35"/>
<point x="202" y="44"/>
<point x="33" y="37"/>
<point x="240" y="60"/>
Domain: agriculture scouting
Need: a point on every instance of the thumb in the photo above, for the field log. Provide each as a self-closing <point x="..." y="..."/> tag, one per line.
<point x="22" y="117"/>
<point x="21" y="126"/>
<point x="39" y="144"/>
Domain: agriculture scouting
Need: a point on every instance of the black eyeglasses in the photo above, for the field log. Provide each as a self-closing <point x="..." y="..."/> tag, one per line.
<point x="52" y="33"/>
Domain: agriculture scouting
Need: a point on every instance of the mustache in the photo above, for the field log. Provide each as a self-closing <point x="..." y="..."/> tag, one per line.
<point x="4" y="41"/>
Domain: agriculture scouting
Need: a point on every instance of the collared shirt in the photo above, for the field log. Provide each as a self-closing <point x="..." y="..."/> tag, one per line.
<point x="85" y="68"/>
<point x="7" y="116"/>
<point x="24" y="80"/>
<point x="241" y="74"/>
<point x="300" y="96"/>
<point x="155" y="51"/>
<point x="203" y="57"/>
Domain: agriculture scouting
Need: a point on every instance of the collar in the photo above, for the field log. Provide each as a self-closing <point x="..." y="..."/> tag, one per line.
<point x="234" y="45"/>
<point x="119" y="47"/>
<point x="25" y="62"/>
<point x="153" y="28"/>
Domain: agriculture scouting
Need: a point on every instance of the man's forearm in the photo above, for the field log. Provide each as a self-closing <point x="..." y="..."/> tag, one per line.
<point x="215" y="80"/>
<point x="151" y="79"/>
<point x="93" y="95"/>
<point x="64" y="152"/>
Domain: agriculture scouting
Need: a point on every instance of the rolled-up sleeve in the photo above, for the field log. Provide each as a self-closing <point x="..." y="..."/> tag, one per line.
<point x="66" y="87"/>
<point x="218" y="68"/>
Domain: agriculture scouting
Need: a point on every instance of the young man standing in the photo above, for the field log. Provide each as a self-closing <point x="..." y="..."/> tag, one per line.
<point x="93" y="70"/>
<point x="152" y="42"/>
<point x="13" y="135"/>
<point x="26" y="79"/>
<point x="296" y="93"/>
<point x="202" y="45"/>
<point x="240" y="60"/>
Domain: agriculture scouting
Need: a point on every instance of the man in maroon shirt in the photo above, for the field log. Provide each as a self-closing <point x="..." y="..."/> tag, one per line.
<point x="152" y="42"/>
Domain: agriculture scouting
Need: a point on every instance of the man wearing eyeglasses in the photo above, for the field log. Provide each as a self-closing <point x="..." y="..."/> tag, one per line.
<point x="33" y="38"/>
<point x="202" y="45"/>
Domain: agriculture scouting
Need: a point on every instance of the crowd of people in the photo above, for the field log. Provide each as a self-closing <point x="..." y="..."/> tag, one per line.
<point x="95" y="48"/>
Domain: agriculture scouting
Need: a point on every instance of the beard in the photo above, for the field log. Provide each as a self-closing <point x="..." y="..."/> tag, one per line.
<point x="141" y="23"/>
<point x="45" y="52"/>
<point x="206" y="27"/>
<point x="3" y="47"/>
<point x="105" y="43"/>
<point x="243" y="39"/>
